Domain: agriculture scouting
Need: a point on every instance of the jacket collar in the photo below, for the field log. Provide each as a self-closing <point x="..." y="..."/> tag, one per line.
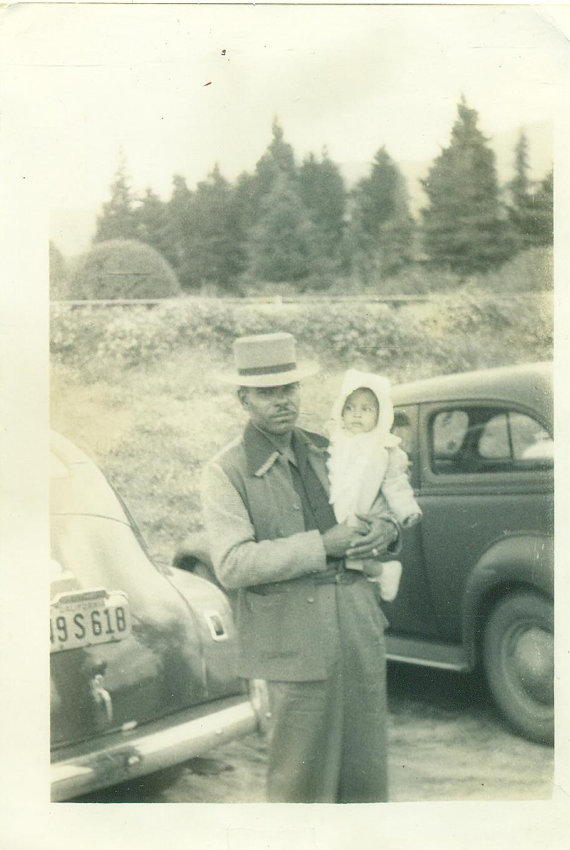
<point x="261" y="453"/>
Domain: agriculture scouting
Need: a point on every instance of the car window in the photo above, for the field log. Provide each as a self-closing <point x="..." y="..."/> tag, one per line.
<point x="449" y="430"/>
<point x="484" y="439"/>
<point x="530" y="440"/>
<point x="494" y="441"/>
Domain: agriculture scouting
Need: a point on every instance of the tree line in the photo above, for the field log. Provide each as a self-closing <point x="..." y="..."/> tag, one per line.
<point x="298" y="224"/>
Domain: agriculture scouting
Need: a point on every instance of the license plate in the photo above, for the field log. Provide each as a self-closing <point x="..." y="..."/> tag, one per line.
<point x="83" y="619"/>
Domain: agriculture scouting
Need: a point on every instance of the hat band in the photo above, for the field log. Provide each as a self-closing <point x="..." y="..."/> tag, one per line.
<point x="268" y="370"/>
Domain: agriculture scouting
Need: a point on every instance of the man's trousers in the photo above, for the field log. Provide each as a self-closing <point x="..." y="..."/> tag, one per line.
<point x="328" y="738"/>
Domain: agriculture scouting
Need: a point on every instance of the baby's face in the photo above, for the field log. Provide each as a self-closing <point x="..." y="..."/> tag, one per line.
<point x="360" y="411"/>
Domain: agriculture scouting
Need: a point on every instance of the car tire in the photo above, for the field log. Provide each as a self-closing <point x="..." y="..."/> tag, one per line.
<point x="518" y="657"/>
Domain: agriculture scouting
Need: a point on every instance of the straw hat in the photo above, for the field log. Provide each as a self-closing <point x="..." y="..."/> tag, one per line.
<point x="266" y="360"/>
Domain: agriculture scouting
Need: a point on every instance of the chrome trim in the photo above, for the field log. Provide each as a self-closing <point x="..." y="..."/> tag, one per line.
<point x="137" y="752"/>
<point x="426" y="662"/>
<point x="101" y="696"/>
<point x="426" y="653"/>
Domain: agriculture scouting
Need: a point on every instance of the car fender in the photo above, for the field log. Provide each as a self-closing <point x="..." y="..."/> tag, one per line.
<point x="518" y="560"/>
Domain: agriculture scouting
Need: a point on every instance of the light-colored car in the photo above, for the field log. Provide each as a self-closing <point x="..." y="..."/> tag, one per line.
<point x="477" y="581"/>
<point x="142" y="657"/>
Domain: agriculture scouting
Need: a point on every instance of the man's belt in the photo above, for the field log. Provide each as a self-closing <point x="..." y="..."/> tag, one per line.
<point x="337" y="573"/>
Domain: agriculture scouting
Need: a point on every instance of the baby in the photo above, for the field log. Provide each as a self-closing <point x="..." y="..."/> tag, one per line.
<point x="367" y="468"/>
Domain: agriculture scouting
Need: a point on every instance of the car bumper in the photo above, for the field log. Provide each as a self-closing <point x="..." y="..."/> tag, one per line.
<point x="137" y="752"/>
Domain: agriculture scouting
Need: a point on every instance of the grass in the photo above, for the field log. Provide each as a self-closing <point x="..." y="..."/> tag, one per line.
<point x="152" y="430"/>
<point x="151" y="427"/>
<point x="151" y="423"/>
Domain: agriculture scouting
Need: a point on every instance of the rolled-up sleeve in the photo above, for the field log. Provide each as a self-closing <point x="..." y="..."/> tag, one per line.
<point x="239" y="559"/>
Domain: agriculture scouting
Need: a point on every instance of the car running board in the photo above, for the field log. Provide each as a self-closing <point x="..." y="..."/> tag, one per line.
<point x="425" y="653"/>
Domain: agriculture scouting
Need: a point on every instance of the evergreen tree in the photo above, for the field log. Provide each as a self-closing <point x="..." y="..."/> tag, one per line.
<point x="178" y="222"/>
<point x="277" y="162"/>
<point x="284" y="244"/>
<point x="247" y="199"/>
<point x="322" y="191"/>
<point x="521" y="212"/>
<point x="118" y="219"/>
<point x="279" y="158"/>
<point x="543" y="207"/>
<point x="151" y="218"/>
<point x="520" y="187"/>
<point x="382" y="228"/>
<point x="464" y="226"/>
<point x="215" y="239"/>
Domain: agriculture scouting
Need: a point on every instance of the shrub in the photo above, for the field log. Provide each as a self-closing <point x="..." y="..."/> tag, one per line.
<point x="75" y="335"/>
<point x="93" y="337"/>
<point x="529" y="271"/>
<point x="122" y="268"/>
<point x="418" y="279"/>
<point x="372" y="334"/>
<point x="449" y="333"/>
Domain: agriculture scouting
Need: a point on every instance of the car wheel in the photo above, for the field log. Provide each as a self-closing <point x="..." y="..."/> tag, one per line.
<point x="518" y="656"/>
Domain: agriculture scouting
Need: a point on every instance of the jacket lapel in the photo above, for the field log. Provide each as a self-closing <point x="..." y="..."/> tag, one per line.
<point x="261" y="453"/>
<point x="316" y="448"/>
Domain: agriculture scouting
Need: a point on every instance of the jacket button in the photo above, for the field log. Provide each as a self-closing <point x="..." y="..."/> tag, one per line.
<point x="310" y="599"/>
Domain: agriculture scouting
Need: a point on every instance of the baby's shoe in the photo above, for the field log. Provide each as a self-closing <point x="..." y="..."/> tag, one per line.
<point x="390" y="580"/>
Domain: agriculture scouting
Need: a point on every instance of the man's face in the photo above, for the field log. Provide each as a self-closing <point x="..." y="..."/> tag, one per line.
<point x="273" y="409"/>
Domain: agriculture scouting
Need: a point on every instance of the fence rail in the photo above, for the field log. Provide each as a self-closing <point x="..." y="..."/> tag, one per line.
<point x="277" y="300"/>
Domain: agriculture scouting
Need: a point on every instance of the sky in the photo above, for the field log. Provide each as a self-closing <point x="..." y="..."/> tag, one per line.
<point x="179" y="88"/>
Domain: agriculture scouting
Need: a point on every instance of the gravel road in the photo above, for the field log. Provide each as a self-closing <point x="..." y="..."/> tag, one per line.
<point x="446" y="743"/>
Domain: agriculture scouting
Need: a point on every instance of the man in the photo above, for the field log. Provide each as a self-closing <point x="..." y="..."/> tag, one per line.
<point x="307" y="624"/>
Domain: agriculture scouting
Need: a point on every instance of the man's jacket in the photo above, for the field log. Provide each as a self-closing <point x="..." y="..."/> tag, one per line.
<point x="259" y="547"/>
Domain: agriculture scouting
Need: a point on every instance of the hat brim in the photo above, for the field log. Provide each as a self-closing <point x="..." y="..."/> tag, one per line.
<point x="274" y="379"/>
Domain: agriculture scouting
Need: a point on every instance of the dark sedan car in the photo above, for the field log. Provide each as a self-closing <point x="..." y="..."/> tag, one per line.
<point x="477" y="583"/>
<point x="142" y="658"/>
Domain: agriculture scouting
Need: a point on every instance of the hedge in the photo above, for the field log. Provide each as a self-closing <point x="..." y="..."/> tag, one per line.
<point x="450" y="333"/>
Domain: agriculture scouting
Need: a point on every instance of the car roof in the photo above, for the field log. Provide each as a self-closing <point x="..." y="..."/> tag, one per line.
<point x="528" y="384"/>
<point x="77" y="485"/>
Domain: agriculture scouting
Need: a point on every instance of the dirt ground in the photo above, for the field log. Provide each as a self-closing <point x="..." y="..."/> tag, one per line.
<point x="446" y="742"/>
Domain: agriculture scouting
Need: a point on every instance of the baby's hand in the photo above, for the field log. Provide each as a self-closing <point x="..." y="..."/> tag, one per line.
<point x="412" y="520"/>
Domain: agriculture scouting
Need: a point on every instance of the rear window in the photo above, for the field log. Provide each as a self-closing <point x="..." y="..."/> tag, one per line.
<point x="98" y="552"/>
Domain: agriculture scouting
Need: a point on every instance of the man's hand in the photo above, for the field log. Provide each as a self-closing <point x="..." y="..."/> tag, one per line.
<point x="338" y="539"/>
<point x="374" y="543"/>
